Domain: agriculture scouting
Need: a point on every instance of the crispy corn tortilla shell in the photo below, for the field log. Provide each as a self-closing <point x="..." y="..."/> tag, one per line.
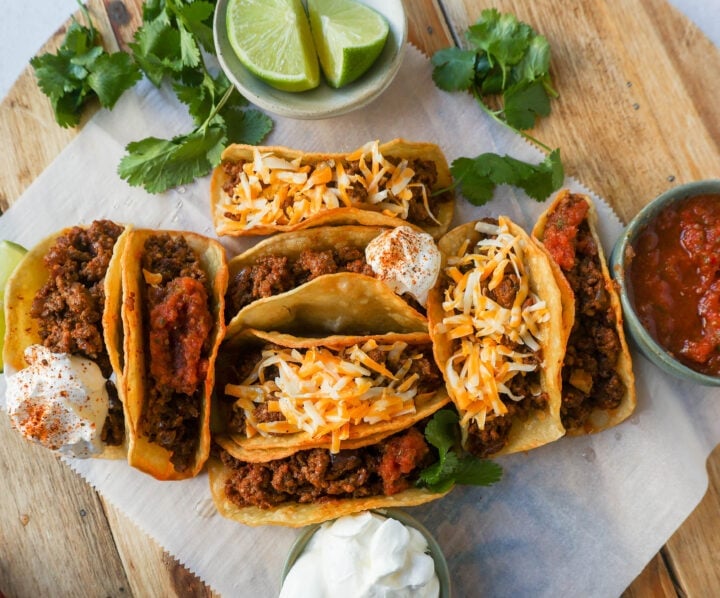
<point x="541" y="427"/>
<point x="341" y="302"/>
<point x="142" y="454"/>
<point x="22" y="330"/>
<point x="292" y="514"/>
<point x="360" y="214"/>
<point x="600" y="419"/>
<point x="304" y="440"/>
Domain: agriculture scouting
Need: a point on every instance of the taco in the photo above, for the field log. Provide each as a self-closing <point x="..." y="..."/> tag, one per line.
<point x="264" y="190"/>
<point x="172" y="314"/>
<point x="313" y="485"/>
<point x="496" y="320"/>
<point x="598" y="385"/>
<point x="280" y="392"/>
<point x="328" y="279"/>
<point x="61" y="303"/>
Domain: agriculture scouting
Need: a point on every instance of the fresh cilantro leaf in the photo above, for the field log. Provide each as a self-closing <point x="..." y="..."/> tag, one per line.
<point x="478" y="177"/>
<point x="246" y="126"/>
<point x="159" y="164"/>
<point x="454" y="68"/>
<point x="443" y="433"/>
<point x="156" y="49"/>
<point x="80" y="71"/>
<point x="524" y="102"/>
<point x="197" y="17"/>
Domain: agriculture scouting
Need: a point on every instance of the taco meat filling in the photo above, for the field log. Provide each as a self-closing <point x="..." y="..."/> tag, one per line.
<point x="69" y="307"/>
<point x="179" y="322"/>
<point x="590" y="377"/>
<point x="275" y="274"/>
<point x="316" y="475"/>
<point x="417" y="377"/>
<point x="294" y="191"/>
<point x="494" y="371"/>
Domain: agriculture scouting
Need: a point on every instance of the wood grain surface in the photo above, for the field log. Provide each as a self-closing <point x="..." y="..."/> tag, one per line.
<point x="637" y="114"/>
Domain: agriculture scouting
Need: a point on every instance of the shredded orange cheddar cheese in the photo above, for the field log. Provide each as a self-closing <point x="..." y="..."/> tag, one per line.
<point x="486" y="336"/>
<point x="273" y="190"/>
<point x="325" y="392"/>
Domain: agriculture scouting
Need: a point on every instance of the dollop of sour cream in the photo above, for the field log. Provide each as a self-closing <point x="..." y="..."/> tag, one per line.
<point x="407" y="261"/>
<point x="363" y="555"/>
<point x="59" y="401"/>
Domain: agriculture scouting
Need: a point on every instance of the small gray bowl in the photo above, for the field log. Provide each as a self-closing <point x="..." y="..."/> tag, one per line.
<point x="323" y="101"/>
<point x="441" y="566"/>
<point x="622" y="253"/>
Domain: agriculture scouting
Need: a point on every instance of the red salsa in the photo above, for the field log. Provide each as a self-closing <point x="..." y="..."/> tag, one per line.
<point x="674" y="281"/>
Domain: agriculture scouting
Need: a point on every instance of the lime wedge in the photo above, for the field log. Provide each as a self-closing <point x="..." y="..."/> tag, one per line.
<point x="10" y="256"/>
<point x="349" y="37"/>
<point x="272" y="39"/>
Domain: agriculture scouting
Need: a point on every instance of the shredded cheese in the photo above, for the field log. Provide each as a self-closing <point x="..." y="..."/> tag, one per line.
<point x="488" y="339"/>
<point x="325" y="392"/>
<point x="272" y="190"/>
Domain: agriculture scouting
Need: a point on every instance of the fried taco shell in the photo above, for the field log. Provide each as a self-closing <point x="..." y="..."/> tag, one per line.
<point x="316" y="280"/>
<point x="314" y="485"/>
<point x="598" y="385"/>
<point x="65" y="295"/>
<point x="264" y="190"/>
<point x="496" y="320"/>
<point x="172" y="314"/>
<point x="278" y="392"/>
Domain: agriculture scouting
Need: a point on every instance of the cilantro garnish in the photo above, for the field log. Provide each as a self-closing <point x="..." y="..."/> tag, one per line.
<point x="170" y="45"/>
<point x="508" y="64"/>
<point x="81" y="71"/>
<point x="442" y="432"/>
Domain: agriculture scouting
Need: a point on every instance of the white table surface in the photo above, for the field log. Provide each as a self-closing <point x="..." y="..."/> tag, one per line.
<point x="26" y="24"/>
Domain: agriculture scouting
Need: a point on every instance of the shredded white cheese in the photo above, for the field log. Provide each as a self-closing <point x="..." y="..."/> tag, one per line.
<point x="486" y="335"/>
<point x="272" y="190"/>
<point x="325" y="392"/>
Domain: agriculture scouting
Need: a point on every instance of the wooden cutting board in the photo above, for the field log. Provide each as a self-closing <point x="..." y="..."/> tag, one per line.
<point x="638" y="114"/>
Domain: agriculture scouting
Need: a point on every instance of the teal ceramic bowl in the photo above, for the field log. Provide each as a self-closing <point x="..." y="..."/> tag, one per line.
<point x="621" y="255"/>
<point x="323" y="101"/>
<point x="441" y="567"/>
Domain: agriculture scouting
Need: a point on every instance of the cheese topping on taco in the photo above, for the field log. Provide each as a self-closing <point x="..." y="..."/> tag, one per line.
<point x="273" y="190"/>
<point x="492" y="342"/>
<point x="321" y="391"/>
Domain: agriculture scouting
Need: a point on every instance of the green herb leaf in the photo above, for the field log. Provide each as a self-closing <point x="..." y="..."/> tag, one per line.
<point x="443" y="433"/>
<point x="524" y="102"/>
<point x="478" y="177"/>
<point x="454" y="69"/>
<point x="111" y="75"/>
<point x="246" y="126"/>
<point x="159" y="164"/>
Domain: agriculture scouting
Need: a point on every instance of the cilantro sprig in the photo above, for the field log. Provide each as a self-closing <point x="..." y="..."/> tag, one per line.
<point x="442" y="432"/>
<point x="82" y="71"/>
<point x="172" y="45"/>
<point x="507" y="63"/>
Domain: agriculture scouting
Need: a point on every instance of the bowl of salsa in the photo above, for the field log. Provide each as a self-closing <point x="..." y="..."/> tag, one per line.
<point x="667" y="263"/>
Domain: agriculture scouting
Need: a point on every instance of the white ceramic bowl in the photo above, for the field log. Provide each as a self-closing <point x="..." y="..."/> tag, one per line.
<point x="323" y="101"/>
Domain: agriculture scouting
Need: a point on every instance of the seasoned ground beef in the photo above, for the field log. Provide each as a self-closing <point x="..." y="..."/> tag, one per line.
<point x="178" y="322"/>
<point x="594" y="346"/>
<point x="271" y="275"/>
<point x="69" y="306"/>
<point x="315" y="475"/>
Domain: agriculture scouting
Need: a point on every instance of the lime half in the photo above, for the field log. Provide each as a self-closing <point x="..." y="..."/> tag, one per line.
<point x="272" y="39"/>
<point x="349" y="37"/>
<point x="10" y="256"/>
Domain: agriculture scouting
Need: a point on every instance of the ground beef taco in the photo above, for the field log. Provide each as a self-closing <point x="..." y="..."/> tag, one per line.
<point x="264" y="190"/>
<point x="280" y="392"/>
<point x="598" y="385"/>
<point x="172" y="313"/>
<point x="320" y="280"/>
<point x="65" y="297"/>
<point x="496" y="320"/>
<point x="314" y="485"/>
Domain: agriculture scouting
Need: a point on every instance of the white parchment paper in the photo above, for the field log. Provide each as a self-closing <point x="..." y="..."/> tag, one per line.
<point x="581" y="516"/>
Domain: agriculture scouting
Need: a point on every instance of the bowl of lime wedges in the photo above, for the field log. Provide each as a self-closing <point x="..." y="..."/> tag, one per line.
<point x="310" y="60"/>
